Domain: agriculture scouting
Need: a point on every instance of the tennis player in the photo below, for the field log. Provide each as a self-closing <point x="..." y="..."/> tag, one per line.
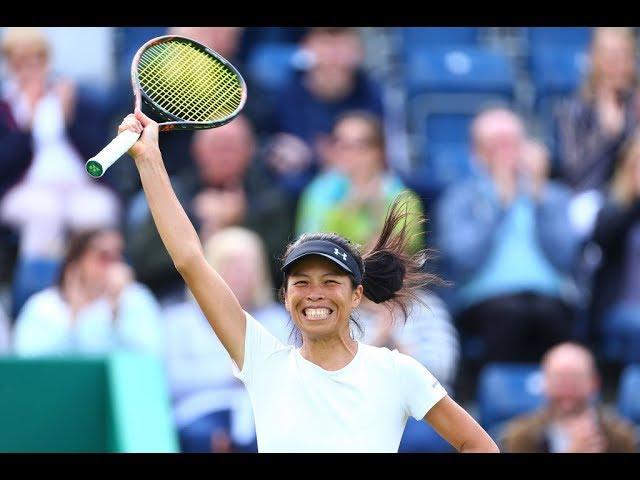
<point x="333" y="393"/>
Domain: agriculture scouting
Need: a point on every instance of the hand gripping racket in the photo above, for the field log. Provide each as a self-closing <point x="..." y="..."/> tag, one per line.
<point x="186" y="84"/>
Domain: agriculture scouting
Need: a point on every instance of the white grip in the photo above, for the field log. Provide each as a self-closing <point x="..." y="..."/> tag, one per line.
<point x="112" y="152"/>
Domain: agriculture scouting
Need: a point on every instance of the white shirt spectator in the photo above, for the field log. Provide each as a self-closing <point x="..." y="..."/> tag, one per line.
<point x="45" y="327"/>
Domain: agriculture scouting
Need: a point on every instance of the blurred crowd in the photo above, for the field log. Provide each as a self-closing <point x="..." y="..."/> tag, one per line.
<point x="528" y="173"/>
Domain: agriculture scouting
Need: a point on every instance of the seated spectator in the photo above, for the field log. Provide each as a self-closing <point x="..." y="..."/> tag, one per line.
<point x="591" y="126"/>
<point x="572" y="421"/>
<point x="45" y="139"/>
<point x="429" y="336"/>
<point x="352" y="198"/>
<point x="211" y="407"/>
<point x="228" y="187"/>
<point x="96" y="306"/>
<point x="309" y="105"/>
<point x="505" y="241"/>
<point x="616" y="282"/>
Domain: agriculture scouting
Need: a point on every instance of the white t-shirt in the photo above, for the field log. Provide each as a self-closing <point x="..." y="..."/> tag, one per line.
<point x="363" y="407"/>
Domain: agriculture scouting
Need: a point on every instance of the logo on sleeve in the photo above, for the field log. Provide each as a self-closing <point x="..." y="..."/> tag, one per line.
<point x="337" y="252"/>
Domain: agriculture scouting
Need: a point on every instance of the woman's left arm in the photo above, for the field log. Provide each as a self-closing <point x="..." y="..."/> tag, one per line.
<point x="459" y="428"/>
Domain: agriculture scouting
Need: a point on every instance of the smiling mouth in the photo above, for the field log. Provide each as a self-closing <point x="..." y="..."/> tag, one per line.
<point x="318" y="313"/>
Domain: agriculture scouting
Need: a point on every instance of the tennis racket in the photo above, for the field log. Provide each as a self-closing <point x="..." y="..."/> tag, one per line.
<point x="187" y="85"/>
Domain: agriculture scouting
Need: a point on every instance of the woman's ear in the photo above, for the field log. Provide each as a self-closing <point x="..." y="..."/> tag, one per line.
<point x="286" y="300"/>
<point x="356" y="297"/>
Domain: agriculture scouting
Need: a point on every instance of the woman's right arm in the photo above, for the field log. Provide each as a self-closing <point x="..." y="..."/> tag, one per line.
<point x="217" y="301"/>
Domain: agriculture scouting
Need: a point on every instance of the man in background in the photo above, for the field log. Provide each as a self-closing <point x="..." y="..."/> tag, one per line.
<point x="572" y="421"/>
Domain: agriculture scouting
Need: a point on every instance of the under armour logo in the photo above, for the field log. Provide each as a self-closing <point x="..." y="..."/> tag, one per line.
<point x="337" y="252"/>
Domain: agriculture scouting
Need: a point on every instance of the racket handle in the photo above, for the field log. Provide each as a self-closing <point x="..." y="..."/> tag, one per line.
<point x="97" y="165"/>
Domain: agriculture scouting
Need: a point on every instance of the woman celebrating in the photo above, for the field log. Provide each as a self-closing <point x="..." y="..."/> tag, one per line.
<point x="332" y="394"/>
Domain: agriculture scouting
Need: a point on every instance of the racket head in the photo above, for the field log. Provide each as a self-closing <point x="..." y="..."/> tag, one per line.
<point x="186" y="84"/>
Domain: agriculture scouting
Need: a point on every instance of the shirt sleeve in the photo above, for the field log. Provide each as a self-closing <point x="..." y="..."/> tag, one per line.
<point x="259" y="344"/>
<point x="420" y="390"/>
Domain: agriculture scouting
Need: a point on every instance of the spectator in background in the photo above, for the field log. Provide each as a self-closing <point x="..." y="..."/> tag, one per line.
<point x="505" y="240"/>
<point x="228" y="187"/>
<point x="430" y="337"/>
<point x="211" y="407"/>
<point x="309" y="105"/>
<point x="616" y="284"/>
<point x="48" y="128"/>
<point x="95" y="307"/>
<point x="591" y="125"/>
<point x="572" y="421"/>
<point x="352" y="198"/>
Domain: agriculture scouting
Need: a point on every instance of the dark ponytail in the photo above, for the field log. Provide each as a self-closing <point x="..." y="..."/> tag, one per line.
<point x="391" y="273"/>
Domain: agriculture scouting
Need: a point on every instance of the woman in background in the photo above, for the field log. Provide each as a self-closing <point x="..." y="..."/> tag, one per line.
<point x="95" y="307"/>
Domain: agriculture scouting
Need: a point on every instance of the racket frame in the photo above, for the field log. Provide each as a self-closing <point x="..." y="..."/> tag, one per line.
<point x="172" y="121"/>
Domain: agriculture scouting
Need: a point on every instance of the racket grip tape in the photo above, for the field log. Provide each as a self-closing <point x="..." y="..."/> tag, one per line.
<point x="96" y="166"/>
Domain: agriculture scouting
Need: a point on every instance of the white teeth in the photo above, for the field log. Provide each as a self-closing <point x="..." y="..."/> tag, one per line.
<point x="317" y="313"/>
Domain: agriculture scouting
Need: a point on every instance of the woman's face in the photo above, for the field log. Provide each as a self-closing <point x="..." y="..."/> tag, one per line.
<point x="103" y="251"/>
<point x="28" y="64"/>
<point x="355" y="148"/>
<point x="320" y="297"/>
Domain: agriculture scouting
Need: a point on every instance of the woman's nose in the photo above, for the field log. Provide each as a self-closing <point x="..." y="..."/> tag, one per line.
<point x="315" y="293"/>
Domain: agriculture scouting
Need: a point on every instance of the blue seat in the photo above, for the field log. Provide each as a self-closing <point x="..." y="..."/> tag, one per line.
<point x="449" y="127"/>
<point x="506" y="390"/>
<point x="629" y="394"/>
<point x="272" y="64"/>
<point x="449" y="162"/>
<point x="448" y="86"/>
<point x="558" y="36"/>
<point x="31" y="276"/>
<point x="558" y="69"/>
<point x="444" y="164"/>
<point x="417" y="37"/>
<point x="557" y="72"/>
<point x="419" y="437"/>
<point x="462" y="69"/>
<point x="621" y="333"/>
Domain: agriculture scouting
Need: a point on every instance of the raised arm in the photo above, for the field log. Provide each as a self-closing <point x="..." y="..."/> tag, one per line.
<point x="217" y="301"/>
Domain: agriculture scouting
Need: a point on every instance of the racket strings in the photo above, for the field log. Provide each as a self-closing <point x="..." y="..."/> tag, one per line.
<point x="189" y="83"/>
<point x="193" y="106"/>
<point x="175" y="87"/>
